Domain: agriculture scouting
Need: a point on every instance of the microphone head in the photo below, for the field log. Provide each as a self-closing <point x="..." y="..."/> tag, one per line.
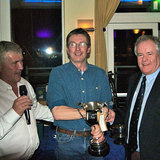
<point x="23" y="90"/>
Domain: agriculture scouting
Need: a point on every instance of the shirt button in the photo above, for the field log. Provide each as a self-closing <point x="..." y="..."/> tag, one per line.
<point x="96" y="87"/>
<point x="79" y="70"/>
<point x="82" y="79"/>
<point x="83" y="91"/>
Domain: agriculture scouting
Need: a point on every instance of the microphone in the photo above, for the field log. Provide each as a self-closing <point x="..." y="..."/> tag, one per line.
<point x="23" y="92"/>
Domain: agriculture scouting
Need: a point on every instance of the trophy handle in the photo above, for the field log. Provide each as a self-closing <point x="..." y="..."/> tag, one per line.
<point x="101" y="121"/>
<point x="80" y="104"/>
<point x="101" y="118"/>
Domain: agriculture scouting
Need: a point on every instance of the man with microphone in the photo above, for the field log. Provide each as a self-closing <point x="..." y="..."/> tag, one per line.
<point x="19" y="108"/>
<point x="18" y="131"/>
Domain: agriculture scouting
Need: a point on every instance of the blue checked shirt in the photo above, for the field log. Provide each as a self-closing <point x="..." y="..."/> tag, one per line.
<point x="68" y="86"/>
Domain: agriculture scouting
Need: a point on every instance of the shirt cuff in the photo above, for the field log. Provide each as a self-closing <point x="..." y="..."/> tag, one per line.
<point x="11" y="116"/>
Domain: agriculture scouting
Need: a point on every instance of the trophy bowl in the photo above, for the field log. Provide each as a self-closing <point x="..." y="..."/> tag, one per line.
<point x="96" y="148"/>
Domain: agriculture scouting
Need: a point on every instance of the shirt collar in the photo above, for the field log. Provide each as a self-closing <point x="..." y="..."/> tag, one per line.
<point x="74" y="68"/>
<point x="5" y="85"/>
<point x="152" y="76"/>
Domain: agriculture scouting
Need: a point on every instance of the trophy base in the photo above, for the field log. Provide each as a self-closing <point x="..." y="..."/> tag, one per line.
<point x="99" y="150"/>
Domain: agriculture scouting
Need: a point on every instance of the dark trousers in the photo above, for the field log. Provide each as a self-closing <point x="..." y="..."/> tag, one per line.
<point x="131" y="155"/>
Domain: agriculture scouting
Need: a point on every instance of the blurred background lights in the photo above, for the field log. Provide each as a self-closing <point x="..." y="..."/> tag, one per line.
<point x="44" y="33"/>
<point x="136" y="31"/>
<point x="135" y="1"/>
<point x="49" y="50"/>
<point x="43" y="1"/>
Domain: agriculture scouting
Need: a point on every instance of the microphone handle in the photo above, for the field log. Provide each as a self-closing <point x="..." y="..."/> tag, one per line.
<point x="23" y="91"/>
<point x="27" y="115"/>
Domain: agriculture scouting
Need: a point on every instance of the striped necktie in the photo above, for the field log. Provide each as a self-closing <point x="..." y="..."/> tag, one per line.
<point x="135" y="116"/>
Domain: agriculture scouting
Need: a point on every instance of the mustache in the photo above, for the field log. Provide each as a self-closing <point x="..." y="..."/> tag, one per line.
<point x="19" y="72"/>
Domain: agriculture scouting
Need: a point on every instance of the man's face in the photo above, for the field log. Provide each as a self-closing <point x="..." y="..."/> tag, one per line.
<point x="147" y="57"/>
<point x="11" y="68"/>
<point x="78" y="50"/>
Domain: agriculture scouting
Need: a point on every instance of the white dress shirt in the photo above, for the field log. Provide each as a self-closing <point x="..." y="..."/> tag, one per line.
<point x="17" y="139"/>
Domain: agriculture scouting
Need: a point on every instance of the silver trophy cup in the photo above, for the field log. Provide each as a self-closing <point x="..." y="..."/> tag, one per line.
<point x="93" y="110"/>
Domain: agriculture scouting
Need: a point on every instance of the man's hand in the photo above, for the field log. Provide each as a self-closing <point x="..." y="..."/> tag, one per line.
<point x="21" y="104"/>
<point x="109" y="114"/>
<point x="98" y="135"/>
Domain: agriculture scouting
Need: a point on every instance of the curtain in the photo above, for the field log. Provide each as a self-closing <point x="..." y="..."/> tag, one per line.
<point x="104" y="10"/>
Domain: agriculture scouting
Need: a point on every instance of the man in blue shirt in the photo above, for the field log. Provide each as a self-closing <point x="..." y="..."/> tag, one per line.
<point x="69" y="84"/>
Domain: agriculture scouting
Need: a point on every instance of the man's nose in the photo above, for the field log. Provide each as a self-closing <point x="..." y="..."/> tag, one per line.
<point x="144" y="58"/>
<point x="77" y="47"/>
<point x="20" y="65"/>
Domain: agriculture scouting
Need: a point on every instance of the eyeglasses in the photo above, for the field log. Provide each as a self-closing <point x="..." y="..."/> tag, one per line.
<point x="80" y="45"/>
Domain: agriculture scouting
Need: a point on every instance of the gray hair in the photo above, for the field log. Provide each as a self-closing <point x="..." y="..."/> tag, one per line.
<point x="145" y="38"/>
<point x="6" y="47"/>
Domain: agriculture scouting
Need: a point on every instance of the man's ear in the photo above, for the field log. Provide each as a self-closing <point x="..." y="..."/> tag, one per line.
<point x="88" y="52"/>
<point x="68" y="53"/>
<point x="67" y="50"/>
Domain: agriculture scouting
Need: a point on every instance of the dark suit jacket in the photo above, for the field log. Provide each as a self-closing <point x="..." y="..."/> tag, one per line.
<point x="149" y="134"/>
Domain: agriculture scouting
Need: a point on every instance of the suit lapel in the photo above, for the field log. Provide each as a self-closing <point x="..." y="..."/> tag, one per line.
<point x="155" y="92"/>
<point x="133" y="86"/>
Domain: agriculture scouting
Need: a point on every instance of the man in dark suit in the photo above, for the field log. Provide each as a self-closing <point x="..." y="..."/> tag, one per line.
<point x="147" y="141"/>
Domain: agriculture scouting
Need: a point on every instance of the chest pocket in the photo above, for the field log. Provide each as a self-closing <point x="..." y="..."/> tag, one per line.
<point x="93" y="92"/>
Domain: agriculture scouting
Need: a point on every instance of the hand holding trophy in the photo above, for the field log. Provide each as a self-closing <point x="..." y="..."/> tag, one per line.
<point x="95" y="114"/>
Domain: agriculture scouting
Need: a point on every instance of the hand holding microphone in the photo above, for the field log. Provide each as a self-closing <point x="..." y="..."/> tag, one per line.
<point x="23" y="92"/>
